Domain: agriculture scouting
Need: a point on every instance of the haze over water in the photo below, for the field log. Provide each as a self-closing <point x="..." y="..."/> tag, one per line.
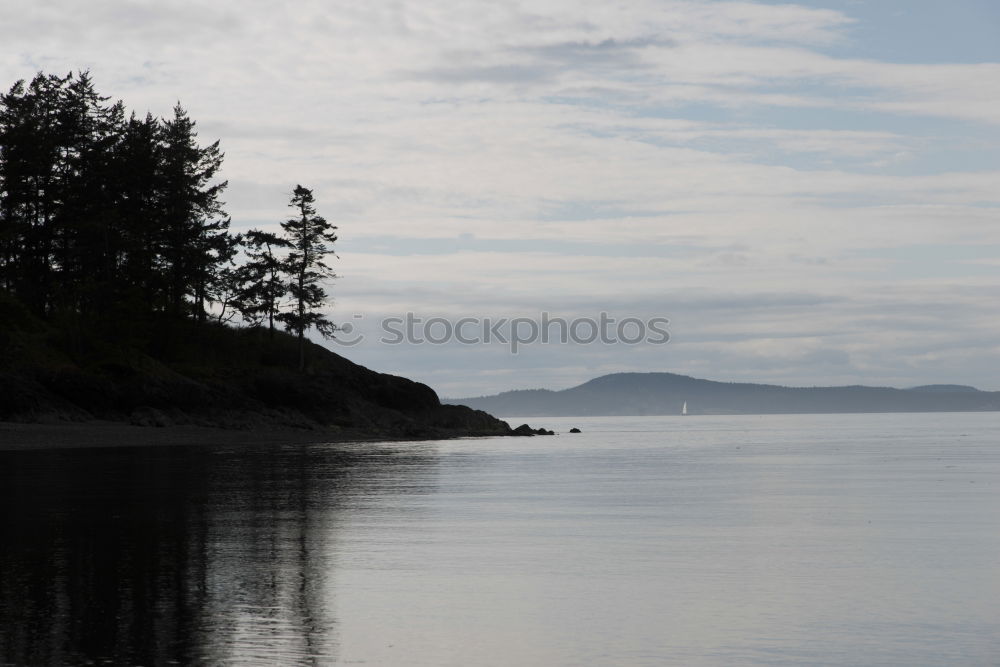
<point x="835" y="539"/>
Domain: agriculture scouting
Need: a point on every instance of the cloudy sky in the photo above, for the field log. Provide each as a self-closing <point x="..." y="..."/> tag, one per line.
<point x="809" y="192"/>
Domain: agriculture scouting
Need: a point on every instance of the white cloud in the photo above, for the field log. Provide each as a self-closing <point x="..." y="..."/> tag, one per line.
<point x="685" y="151"/>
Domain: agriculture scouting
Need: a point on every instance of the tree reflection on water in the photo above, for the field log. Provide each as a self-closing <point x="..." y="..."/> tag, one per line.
<point x="188" y="555"/>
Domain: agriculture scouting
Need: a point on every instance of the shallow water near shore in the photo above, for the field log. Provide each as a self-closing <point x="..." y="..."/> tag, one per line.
<point x="826" y="539"/>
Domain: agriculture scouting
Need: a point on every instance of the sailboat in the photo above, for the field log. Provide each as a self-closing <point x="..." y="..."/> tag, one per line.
<point x="684" y="408"/>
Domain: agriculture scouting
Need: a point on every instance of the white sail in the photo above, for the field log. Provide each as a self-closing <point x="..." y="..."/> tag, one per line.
<point x="684" y="409"/>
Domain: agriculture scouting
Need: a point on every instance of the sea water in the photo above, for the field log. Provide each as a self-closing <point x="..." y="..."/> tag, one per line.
<point x="714" y="540"/>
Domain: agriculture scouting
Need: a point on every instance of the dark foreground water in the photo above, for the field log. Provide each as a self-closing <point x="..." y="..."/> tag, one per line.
<point x="861" y="539"/>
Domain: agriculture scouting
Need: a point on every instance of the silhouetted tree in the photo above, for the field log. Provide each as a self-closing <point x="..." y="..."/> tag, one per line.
<point x="87" y="230"/>
<point x="139" y="176"/>
<point x="228" y="292"/>
<point x="309" y="235"/>
<point x="58" y="143"/>
<point x="223" y="285"/>
<point x="195" y="233"/>
<point x="29" y="172"/>
<point x="109" y="221"/>
<point x="261" y="275"/>
<point x="97" y="211"/>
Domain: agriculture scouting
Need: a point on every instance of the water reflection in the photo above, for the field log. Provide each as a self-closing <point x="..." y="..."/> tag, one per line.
<point x="180" y="555"/>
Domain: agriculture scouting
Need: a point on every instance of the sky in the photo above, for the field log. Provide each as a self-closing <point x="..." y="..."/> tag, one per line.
<point x="808" y="192"/>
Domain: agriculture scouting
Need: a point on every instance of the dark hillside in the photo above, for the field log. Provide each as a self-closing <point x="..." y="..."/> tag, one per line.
<point x="187" y="372"/>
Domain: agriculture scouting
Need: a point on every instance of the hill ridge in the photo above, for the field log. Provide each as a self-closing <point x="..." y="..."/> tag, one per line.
<point x="664" y="393"/>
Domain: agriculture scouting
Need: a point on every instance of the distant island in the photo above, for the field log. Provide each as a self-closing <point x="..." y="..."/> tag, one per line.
<point x="671" y="394"/>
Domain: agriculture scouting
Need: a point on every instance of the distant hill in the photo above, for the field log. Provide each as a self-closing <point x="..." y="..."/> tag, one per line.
<point x="666" y="394"/>
<point x="946" y="389"/>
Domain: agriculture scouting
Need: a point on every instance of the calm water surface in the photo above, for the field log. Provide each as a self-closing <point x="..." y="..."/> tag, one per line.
<point x="842" y="539"/>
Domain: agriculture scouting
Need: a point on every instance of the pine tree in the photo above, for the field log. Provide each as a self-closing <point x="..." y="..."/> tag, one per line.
<point x="139" y="175"/>
<point x="105" y="220"/>
<point x="88" y="230"/>
<point x="261" y="275"/>
<point x="57" y="140"/>
<point x="195" y="234"/>
<point x="29" y="174"/>
<point x="309" y="235"/>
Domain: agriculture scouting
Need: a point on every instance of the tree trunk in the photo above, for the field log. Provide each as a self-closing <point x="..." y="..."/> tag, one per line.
<point x="302" y="350"/>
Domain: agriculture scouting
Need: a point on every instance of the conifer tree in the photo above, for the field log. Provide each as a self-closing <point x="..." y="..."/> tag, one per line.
<point x="262" y="277"/>
<point x="87" y="229"/>
<point x="106" y="220"/>
<point x="139" y="176"/>
<point x="29" y="174"/>
<point x="310" y="236"/>
<point x="195" y="233"/>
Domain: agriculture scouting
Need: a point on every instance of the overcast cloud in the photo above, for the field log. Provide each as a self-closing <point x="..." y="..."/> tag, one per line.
<point x="808" y="191"/>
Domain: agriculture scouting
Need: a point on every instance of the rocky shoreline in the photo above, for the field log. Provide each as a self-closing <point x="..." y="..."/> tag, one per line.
<point x="16" y="436"/>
